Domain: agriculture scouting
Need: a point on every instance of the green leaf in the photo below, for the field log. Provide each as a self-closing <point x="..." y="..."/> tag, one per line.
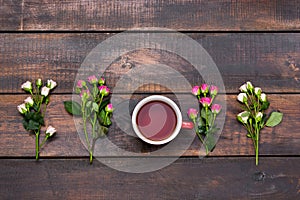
<point x="265" y="105"/>
<point x="274" y="119"/>
<point x="32" y="125"/>
<point x="210" y="142"/>
<point x="103" y="104"/>
<point x="95" y="107"/>
<point x="102" y="130"/>
<point x="73" y="108"/>
<point x="209" y="116"/>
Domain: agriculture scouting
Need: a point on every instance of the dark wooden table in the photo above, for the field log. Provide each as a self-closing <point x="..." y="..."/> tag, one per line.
<point x="249" y="40"/>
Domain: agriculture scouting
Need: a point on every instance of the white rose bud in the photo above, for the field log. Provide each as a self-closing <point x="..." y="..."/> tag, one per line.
<point x="27" y="86"/>
<point x="263" y="97"/>
<point x="50" y="131"/>
<point x="259" y="116"/>
<point x="51" y="84"/>
<point x="243" y="117"/>
<point x="243" y="88"/>
<point x="242" y="97"/>
<point x="29" y="101"/>
<point x="249" y="86"/>
<point x="45" y="91"/>
<point x="22" y="108"/>
<point x="257" y="91"/>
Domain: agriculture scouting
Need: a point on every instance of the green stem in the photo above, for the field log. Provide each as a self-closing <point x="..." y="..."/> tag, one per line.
<point x="91" y="156"/>
<point x="84" y="125"/>
<point x="37" y="145"/>
<point x="199" y="136"/>
<point x="257" y="143"/>
<point x="43" y="142"/>
<point x="206" y="118"/>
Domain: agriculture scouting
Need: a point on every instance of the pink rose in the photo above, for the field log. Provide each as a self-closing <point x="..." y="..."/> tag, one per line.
<point x="80" y="84"/>
<point x="192" y="113"/>
<point x="196" y="90"/>
<point x="109" y="108"/>
<point x="213" y="90"/>
<point x="204" y="88"/>
<point x="104" y="90"/>
<point x="216" y="108"/>
<point x="205" y="101"/>
<point x="92" y="79"/>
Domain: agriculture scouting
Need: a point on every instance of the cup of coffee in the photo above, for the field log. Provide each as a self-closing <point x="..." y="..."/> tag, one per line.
<point x="157" y="120"/>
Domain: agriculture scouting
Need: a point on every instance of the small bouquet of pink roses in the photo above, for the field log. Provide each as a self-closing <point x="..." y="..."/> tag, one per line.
<point x="94" y="110"/>
<point x="204" y="119"/>
<point x="33" y="110"/>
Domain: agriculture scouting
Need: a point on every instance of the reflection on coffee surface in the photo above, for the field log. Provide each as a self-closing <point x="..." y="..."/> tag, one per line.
<point x="156" y="120"/>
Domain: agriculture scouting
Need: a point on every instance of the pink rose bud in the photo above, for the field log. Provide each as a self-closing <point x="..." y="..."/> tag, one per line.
<point x="213" y="90"/>
<point x="216" y="108"/>
<point x="85" y="94"/>
<point x="109" y="108"/>
<point x="101" y="81"/>
<point x="45" y="91"/>
<point x="205" y="101"/>
<point x="80" y="84"/>
<point x="92" y="79"/>
<point x="104" y="90"/>
<point x="192" y="113"/>
<point x="204" y="88"/>
<point x="196" y="90"/>
<point x="27" y="86"/>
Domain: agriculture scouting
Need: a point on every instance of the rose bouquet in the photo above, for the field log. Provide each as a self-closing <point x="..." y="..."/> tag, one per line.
<point x="204" y="120"/>
<point x="94" y="110"/>
<point x="255" y="103"/>
<point x="34" y="108"/>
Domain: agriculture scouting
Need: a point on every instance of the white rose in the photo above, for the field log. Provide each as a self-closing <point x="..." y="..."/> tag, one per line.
<point x="22" y="108"/>
<point x="249" y="85"/>
<point x="257" y="91"/>
<point x="45" y="91"/>
<point x="259" y="116"/>
<point x="263" y="97"/>
<point x="51" y="84"/>
<point x="27" y="86"/>
<point x="242" y="97"/>
<point x="243" y="88"/>
<point x="29" y="101"/>
<point x="243" y="116"/>
<point x="50" y="131"/>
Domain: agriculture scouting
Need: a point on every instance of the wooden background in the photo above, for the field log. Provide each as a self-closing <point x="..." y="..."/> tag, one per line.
<point x="249" y="40"/>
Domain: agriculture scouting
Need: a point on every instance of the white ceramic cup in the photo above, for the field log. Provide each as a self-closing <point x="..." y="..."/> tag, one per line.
<point x="179" y="124"/>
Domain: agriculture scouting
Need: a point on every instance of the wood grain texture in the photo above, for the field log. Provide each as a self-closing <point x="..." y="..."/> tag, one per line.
<point x="187" y="15"/>
<point x="224" y="178"/>
<point x="269" y="60"/>
<point x="281" y="140"/>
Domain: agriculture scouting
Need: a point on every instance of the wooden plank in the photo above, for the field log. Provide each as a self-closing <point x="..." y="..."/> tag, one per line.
<point x="222" y="178"/>
<point x="269" y="60"/>
<point x="11" y="15"/>
<point x="181" y="15"/>
<point x="281" y="140"/>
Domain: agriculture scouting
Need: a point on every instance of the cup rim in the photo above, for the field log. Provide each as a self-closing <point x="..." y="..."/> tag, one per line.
<point x="165" y="100"/>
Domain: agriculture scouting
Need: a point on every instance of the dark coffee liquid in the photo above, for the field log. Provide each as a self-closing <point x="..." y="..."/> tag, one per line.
<point x="156" y="120"/>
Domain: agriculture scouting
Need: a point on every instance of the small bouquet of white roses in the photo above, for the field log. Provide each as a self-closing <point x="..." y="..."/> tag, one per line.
<point x="34" y="108"/>
<point x="255" y="103"/>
